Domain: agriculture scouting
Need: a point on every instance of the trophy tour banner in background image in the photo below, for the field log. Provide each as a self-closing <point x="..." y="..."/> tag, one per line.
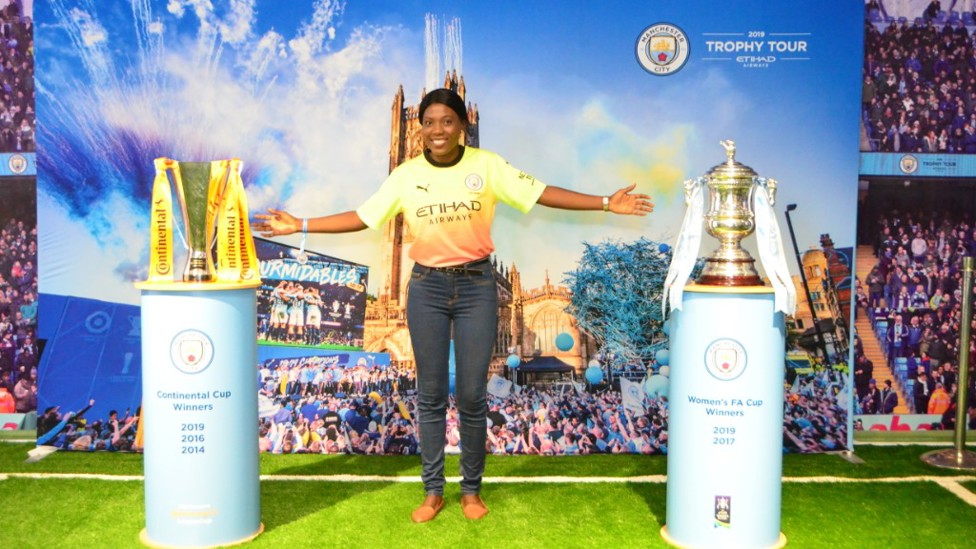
<point x="303" y="95"/>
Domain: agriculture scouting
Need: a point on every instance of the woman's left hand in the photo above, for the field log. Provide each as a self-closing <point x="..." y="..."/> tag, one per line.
<point x="624" y="202"/>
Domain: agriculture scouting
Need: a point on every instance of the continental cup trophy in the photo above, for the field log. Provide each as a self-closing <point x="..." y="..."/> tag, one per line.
<point x="198" y="322"/>
<point x="739" y="203"/>
<point x="212" y="210"/>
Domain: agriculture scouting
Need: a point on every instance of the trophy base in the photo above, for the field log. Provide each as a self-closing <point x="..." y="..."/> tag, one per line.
<point x="725" y="272"/>
<point x="199" y="268"/>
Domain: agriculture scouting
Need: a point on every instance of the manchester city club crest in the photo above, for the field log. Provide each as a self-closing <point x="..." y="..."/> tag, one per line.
<point x="191" y="351"/>
<point x="908" y="164"/>
<point x="725" y="359"/>
<point x="474" y="182"/>
<point x="662" y="49"/>
<point x="17" y="164"/>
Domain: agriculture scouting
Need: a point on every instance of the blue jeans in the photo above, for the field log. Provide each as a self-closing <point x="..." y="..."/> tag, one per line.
<point x="462" y="306"/>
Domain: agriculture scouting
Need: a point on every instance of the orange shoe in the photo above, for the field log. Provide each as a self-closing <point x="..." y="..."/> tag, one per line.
<point x="472" y="506"/>
<point x="428" y="509"/>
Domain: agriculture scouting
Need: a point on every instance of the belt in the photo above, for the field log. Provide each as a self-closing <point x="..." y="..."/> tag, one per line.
<point x="462" y="269"/>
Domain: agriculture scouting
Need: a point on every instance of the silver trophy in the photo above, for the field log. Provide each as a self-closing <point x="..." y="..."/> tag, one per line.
<point x="730" y="218"/>
<point x="194" y="195"/>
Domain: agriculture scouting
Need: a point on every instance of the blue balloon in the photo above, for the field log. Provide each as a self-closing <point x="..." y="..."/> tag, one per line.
<point x="663" y="248"/>
<point x="594" y="374"/>
<point x="656" y="386"/>
<point x="513" y="361"/>
<point x="662" y="356"/>
<point x="564" y="342"/>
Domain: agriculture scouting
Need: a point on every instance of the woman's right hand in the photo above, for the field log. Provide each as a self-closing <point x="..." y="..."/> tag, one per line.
<point x="276" y="223"/>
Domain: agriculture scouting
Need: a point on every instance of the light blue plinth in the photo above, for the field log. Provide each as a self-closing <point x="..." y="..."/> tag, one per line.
<point x="199" y="403"/>
<point x="725" y="425"/>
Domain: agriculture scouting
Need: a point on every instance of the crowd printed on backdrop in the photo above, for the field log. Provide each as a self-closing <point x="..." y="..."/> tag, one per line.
<point x="361" y="408"/>
<point x="358" y="403"/>
<point x="816" y="411"/>
<point x="19" y="350"/>
<point x="319" y="273"/>
<point x="912" y="297"/>
<point x="916" y="82"/>
<point x="73" y="430"/>
<point x="904" y="422"/>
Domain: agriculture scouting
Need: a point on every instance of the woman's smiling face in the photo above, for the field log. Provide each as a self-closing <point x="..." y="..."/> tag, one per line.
<point x="442" y="130"/>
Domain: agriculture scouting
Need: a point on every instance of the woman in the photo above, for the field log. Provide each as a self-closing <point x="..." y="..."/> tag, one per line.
<point x="448" y="197"/>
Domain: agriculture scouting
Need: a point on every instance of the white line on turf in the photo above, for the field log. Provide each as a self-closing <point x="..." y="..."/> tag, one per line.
<point x="958" y="489"/>
<point x="946" y="481"/>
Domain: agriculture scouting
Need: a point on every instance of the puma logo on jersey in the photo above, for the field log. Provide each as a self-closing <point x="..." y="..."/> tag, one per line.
<point x="426" y="188"/>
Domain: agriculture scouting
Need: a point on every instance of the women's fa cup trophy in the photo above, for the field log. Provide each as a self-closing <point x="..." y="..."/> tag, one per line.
<point x="727" y="350"/>
<point x="739" y="203"/>
<point x="730" y="218"/>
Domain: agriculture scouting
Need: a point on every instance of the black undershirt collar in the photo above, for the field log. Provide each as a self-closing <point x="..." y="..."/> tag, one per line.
<point x="437" y="164"/>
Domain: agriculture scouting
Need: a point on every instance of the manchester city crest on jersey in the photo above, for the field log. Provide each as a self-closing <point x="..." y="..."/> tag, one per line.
<point x="725" y="359"/>
<point x="474" y="182"/>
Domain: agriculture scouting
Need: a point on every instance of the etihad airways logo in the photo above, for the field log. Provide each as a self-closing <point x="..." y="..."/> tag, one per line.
<point x="461" y="207"/>
<point x="448" y="212"/>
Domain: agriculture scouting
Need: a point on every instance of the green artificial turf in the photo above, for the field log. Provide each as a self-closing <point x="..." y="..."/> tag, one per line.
<point x="917" y="515"/>
<point x="92" y="513"/>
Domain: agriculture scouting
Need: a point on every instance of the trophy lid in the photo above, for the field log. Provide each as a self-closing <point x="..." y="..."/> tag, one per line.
<point x="731" y="168"/>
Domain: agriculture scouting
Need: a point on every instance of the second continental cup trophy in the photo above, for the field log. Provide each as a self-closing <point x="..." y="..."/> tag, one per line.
<point x="212" y="209"/>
